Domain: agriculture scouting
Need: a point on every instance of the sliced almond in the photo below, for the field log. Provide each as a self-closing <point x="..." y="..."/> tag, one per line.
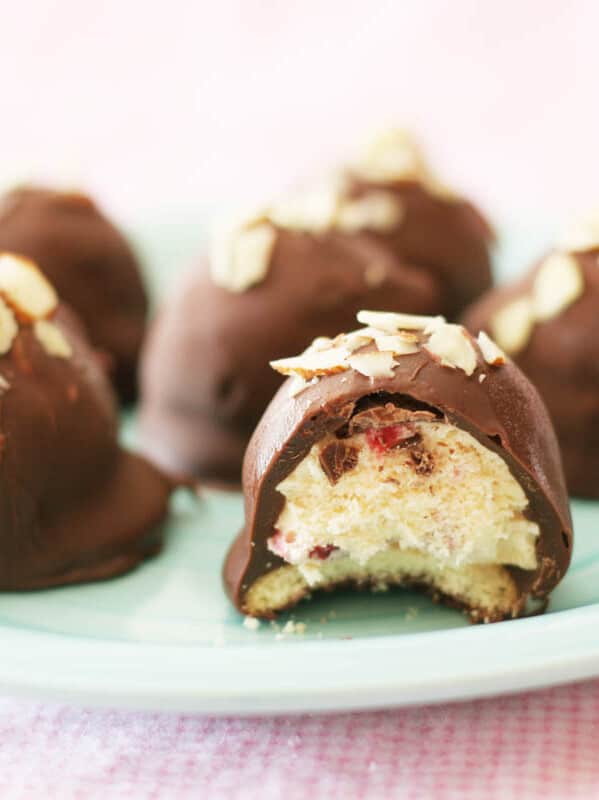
<point x="356" y="339"/>
<point x="321" y="343"/>
<point x="313" y="210"/>
<point x="240" y="258"/>
<point x="390" y="322"/>
<point x="25" y="288"/>
<point x="8" y="327"/>
<point x="396" y="344"/>
<point x="408" y="336"/>
<point x="396" y="156"/>
<point x="378" y="211"/>
<point x="492" y="354"/>
<point x="313" y="363"/>
<point x="391" y="156"/>
<point x="453" y="347"/>
<point x="583" y="235"/>
<point x="373" y="365"/>
<point x="52" y="339"/>
<point x="511" y="326"/>
<point x="558" y="283"/>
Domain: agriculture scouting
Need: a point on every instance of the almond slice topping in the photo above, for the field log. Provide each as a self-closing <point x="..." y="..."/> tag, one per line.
<point x="511" y="326"/>
<point x="492" y="354"/>
<point x="583" y="235"/>
<point x="393" y="155"/>
<point x="25" y="288"/>
<point x="240" y="257"/>
<point x="390" y="322"/>
<point x="52" y="339"/>
<point x="313" y="209"/>
<point x="378" y="211"/>
<point x="8" y="327"/>
<point x="453" y="347"/>
<point x="373" y="365"/>
<point x="558" y="283"/>
<point x="396" y="344"/>
<point x="314" y="363"/>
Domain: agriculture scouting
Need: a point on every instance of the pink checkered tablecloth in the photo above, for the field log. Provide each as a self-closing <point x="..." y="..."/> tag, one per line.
<point x="541" y="745"/>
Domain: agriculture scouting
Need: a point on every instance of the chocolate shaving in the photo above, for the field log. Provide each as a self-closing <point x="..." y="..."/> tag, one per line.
<point x="383" y="416"/>
<point x="422" y="461"/>
<point x="410" y="441"/>
<point x="336" y="459"/>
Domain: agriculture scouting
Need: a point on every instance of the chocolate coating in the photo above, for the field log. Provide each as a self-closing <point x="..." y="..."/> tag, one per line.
<point x="91" y="265"/>
<point x="562" y="359"/>
<point x="205" y="371"/>
<point x="504" y="413"/>
<point x="74" y="506"/>
<point x="447" y="237"/>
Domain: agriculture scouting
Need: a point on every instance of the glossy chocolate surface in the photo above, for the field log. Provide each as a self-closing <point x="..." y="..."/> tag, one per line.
<point x="91" y="265"/>
<point x="74" y="506"/>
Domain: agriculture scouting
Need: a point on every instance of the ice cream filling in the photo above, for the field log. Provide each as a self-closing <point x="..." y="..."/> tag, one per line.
<point x="420" y="485"/>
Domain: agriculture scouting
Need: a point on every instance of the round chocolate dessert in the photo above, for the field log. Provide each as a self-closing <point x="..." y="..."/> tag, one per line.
<point x="297" y="270"/>
<point x="548" y="322"/>
<point x="74" y="506"/>
<point x="403" y="454"/>
<point x="434" y="228"/>
<point x="91" y="265"/>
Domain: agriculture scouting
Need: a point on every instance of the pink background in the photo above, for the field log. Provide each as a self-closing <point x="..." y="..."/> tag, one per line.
<point x="169" y="105"/>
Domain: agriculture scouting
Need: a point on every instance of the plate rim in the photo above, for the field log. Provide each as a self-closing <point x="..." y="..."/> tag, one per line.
<point x="476" y="663"/>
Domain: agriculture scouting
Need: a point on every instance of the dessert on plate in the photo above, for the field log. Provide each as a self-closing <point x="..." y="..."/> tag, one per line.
<point x="548" y="322"/>
<point x="405" y="453"/>
<point x="381" y="234"/>
<point x="91" y="265"/>
<point x="74" y="506"/>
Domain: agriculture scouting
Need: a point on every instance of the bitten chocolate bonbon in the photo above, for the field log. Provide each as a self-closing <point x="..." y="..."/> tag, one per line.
<point x="383" y="234"/>
<point x="549" y="323"/>
<point x="74" y="506"/>
<point x="91" y="265"/>
<point x="405" y="453"/>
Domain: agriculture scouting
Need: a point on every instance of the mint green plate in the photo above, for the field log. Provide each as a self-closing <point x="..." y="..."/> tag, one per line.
<point x="165" y="637"/>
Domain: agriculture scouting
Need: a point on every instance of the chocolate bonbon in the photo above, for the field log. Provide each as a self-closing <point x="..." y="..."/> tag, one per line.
<point x="74" y="506"/>
<point x="412" y="455"/>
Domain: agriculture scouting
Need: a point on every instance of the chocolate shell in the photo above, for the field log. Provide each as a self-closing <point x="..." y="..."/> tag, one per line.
<point x="91" y="265"/>
<point x="74" y="506"/>
<point x="557" y="348"/>
<point x="478" y="409"/>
